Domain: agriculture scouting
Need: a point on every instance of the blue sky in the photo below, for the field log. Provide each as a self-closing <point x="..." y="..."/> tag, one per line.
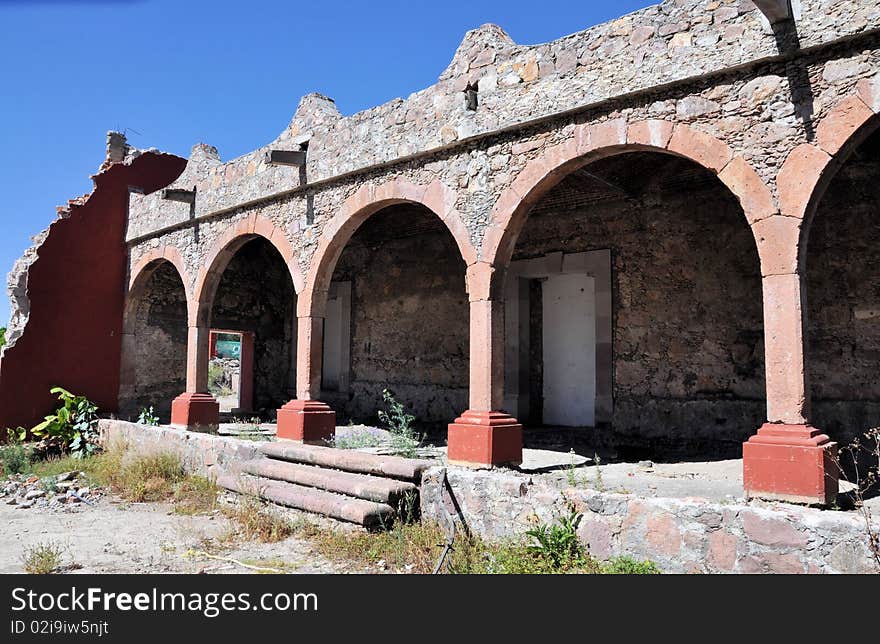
<point x="226" y="73"/>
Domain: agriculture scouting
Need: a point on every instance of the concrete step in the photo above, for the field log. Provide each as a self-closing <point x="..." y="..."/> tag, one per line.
<point x="362" y="486"/>
<point x="407" y="469"/>
<point x="366" y="513"/>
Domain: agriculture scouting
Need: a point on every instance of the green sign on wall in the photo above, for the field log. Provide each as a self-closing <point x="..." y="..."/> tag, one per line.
<point x="229" y="349"/>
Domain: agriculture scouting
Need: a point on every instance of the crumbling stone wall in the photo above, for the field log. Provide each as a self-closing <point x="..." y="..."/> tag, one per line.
<point x="667" y="43"/>
<point x="688" y="365"/>
<point x="409" y="321"/>
<point x="716" y="67"/>
<point x="843" y="298"/>
<point x="67" y="293"/>
<point x="160" y="336"/>
<point x="256" y="294"/>
<point x="752" y="109"/>
<point x="680" y="535"/>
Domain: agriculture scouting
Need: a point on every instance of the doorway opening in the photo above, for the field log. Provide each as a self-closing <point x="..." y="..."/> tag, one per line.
<point x="558" y="340"/>
<point x="231" y="370"/>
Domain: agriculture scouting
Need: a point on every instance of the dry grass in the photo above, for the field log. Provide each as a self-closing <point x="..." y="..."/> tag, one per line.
<point x="195" y="495"/>
<point x="140" y="478"/>
<point x="416" y="548"/>
<point x="60" y="465"/>
<point x="253" y="520"/>
<point x="411" y="547"/>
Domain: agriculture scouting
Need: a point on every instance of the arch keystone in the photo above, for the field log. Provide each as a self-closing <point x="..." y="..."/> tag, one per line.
<point x="607" y="134"/>
<point x="653" y="132"/>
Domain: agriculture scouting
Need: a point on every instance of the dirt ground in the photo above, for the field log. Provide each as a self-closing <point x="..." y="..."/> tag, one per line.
<point x="117" y="537"/>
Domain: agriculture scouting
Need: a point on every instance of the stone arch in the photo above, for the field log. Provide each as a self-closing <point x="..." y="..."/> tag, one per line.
<point x="590" y="143"/>
<point x="143" y="270"/>
<point x="809" y="169"/>
<point x="367" y="201"/>
<point x="829" y="188"/>
<point x="222" y="252"/>
<point x="151" y="375"/>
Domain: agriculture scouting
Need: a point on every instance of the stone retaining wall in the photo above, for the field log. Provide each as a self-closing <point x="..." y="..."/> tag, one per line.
<point x="681" y="535"/>
<point x="204" y="454"/>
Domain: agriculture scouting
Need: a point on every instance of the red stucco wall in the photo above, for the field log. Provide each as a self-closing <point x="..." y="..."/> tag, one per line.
<point x="76" y="288"/>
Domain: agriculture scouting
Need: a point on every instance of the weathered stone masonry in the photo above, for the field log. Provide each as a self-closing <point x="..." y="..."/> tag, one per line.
<point x="155" y="362"/>
<point x="687" y="342"/>
<point x="770" y="114"/>
<point x="409" y="328"/>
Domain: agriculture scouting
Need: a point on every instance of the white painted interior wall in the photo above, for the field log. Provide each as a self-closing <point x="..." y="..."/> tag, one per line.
<point x="569" y="351"/>
<point x="337" y="338"/>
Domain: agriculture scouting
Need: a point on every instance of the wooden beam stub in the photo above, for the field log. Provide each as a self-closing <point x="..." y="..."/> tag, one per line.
<point x="286" y="157"/>
<point x="183" y="196"/>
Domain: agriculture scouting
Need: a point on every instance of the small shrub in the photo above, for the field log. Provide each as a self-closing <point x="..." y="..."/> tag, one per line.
<point x="252" y="430"/>
<point x="73" y="426"/>
<point x="404" y="439"/>
<point x="42" y="558"/>
<point x="559" y="542"/>
<point x="14" y="459"/>
<point x="598" y="482"/>
<point x="17" y="435"/>
<point x="148" y="417"/>
<point x="859" y="464"/>
<point x="571" y="473"/>
<point x="629" y="566"/>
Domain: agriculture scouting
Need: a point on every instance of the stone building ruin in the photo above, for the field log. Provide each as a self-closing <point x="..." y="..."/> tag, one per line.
<point x="661" y="230"/>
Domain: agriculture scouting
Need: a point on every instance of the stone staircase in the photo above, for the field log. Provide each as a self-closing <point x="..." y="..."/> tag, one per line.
<point x="369" y="489"/>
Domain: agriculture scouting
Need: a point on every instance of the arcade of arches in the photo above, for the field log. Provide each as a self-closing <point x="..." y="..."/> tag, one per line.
<point x="550" y="246"/>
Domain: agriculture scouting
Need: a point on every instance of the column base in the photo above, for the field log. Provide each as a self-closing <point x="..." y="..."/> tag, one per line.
<point x="795" y="463"/>
<point x="196" y="413"/>
<point x="485" y="439"/>
<point x="306" y="421"/>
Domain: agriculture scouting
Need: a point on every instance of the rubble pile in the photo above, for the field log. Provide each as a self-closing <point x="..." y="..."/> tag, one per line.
<point x="58" y="492"/>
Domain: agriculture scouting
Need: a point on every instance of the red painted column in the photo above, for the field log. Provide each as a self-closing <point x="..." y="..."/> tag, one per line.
<point x="788" y="459"/>
<point x="195" y="409"/>
<point x="483" y="436"/>
<point x="306" y="419"/>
